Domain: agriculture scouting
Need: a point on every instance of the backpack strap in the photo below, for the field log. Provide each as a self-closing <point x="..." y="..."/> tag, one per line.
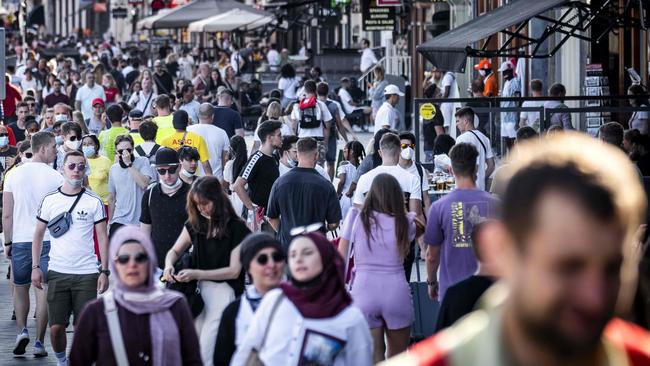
<point x="154" y="150"/>
<point x="140" y="151"/>
<point x="114" y="329"/>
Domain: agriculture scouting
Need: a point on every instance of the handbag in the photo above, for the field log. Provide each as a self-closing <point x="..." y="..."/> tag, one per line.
<point x="61" y="223"/>
<point x="254" y="357"/>
<point x="190" y="289"/>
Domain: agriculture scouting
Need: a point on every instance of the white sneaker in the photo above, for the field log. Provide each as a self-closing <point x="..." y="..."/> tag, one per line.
<point x="62" y="363"/>
<point x="22" y="340"/>
<point x="39" y="350"/>
<point x="356" y="128"/>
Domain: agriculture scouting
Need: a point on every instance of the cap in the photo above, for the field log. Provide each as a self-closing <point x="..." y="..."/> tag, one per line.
<point x="506" y="66"/>
<point x="135" y="113"/>
<point x="253" y="244"/>
<point x="483" y="64"/>
<point x="98" y="101"/>
<point x="166" y="156"/>
<point x="392" y="89"/>
<point x="180" y="119"/>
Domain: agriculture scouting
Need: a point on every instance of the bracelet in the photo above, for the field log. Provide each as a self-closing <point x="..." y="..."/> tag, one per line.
<point x="36" y="266"/>
<point x="8" y="243"/>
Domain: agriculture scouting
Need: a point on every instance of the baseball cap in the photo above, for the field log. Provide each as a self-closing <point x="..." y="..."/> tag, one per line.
<point x="392" y="89"/>
<point x="506" y="66"/>
<point x="483" y="64"/>
<point x="135" y="113"/>
<point x="98" y="101"/>
<point x="166" y="156"/>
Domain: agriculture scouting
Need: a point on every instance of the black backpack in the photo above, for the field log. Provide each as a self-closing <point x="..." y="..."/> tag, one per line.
<point x="308" y="113"/>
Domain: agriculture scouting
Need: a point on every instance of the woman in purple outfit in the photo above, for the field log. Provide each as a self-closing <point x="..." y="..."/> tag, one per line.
<point x="380" y="233"/>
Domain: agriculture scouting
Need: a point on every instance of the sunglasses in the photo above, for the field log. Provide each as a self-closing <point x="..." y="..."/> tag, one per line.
<point x="123" y="150"/>
<point x="31" y="105"/>
<point x="4" y="135"/>
<point x="138" y="258"/>
<point x="29" y="155"/>
<point x="276" y="257"/>
<point x="170" y="170"/>
<point x="404" y="146"/>
<point x="80" y="167"/>
<point x="73" y="138"/>
<point x="300" y="230"/>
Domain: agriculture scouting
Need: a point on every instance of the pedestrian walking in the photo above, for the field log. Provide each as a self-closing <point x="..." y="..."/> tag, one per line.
<point x="153" y="325"/>
<point x="310" y="319"/>
<point x="114" y="114"/>
<point x="215" y="233"/>
<point x="216" y="139"/>
<point x="184" y="138"/>
<point x="74" y="278"/>
<point x="353" y="153"/>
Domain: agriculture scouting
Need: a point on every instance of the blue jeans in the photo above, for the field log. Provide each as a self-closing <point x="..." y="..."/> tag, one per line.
<point x="21" y="262"/>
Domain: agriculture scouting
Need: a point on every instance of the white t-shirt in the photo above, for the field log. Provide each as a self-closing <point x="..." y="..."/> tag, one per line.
<point x="141" y="103"/>
<point x="424" y="182"/>
<point x="449" y="109"/>
<point x="410" y="183"/>
<point x="86" y="95"/>
<point x="288" y="87"/>
<point x="532" y="118"/>
<point x="285" y="130"/>
<point x="28" y="184"/>
<point x="346" y="99"/>
<point x="386" y="115"/>
<point x="368" y="59"/>
<point x="217" y="142"/>
<point x="322" y="113"/>
<point x="74" y="251"/>
<point x="273" y="57"/>
<point x="484" y="153"/>
<point x="30" y="84"/>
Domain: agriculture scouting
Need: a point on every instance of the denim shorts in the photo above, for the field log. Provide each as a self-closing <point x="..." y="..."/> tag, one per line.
<point x="21" y="262"/>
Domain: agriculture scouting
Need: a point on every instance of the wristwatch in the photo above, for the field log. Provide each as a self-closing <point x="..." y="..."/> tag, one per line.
<point x="432" y="283"/>
<point x="8" y="243"/>
<point x="107" y="272"/>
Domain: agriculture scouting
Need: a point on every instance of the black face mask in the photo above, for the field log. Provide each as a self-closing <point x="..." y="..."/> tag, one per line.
<point x="121" y="162"/>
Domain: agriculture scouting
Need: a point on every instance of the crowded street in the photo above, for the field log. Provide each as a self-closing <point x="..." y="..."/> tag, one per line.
<point x="324" y="183"/>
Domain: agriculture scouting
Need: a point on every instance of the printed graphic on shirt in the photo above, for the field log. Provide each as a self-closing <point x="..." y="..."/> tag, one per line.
<point x="319" y="349"/>
<point x="464" y="215"/>
<point x="83" y="216"/>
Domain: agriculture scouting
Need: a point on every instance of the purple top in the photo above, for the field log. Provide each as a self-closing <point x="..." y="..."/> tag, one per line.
<point x="379" y="252"/>
<point x="450" y="223"/>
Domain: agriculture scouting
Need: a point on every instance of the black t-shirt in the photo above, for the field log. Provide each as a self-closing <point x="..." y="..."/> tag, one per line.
<point x="260" y="171"/>
<point x="214" y="253"/>
<point x="460" y="300"/>
<point x="164" y="82"/>
<point x="302" y="197"/>
<point x="429" y="130"/>
<point x="18" y="132"/>
<point x="227" y="119"/>
<point x="166" y="215"/>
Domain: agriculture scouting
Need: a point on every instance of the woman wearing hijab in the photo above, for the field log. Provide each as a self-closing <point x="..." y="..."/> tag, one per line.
<point x="309" y="320"/>
<point x="263" y="260"/>
<point x="156" y="324"/>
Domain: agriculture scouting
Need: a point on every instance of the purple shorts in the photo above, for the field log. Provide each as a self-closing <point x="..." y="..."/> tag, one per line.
<point x="384" y="299"/>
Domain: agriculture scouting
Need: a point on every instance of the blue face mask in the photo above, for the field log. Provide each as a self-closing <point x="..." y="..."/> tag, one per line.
<point x="4" y="141"/>
<point x="88" y="151"/>
<point x="59" y="140"/>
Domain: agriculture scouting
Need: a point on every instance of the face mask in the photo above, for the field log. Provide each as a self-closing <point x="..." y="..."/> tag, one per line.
<point x="88" y="151"/>
<point x="292" y="163"/>
<point x="407" y="154"/>
<point x="4" y="141"/>
<point x="482" y="72"/>
<point x="73" y="145"/>
<point x="59" y="140"/>
<point x="27" y="160"/>
<point x="187" y="174"/>
<point x="205" y="215"/>
<point x="74" y="183"/>
<point x="171" y="187"/>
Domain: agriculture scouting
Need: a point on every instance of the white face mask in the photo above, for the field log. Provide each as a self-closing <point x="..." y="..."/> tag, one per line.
<point x="74" y="183"/>
<point x="173" y="186"/>
<point x="186" y="174"/>
<point x="73" y="145"/>
<point x="482" y="72"/>
<point x="407" y="154"/>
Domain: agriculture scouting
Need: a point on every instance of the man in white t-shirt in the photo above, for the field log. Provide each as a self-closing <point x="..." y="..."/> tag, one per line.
<point x="23" y="190"/>
<point x="368" y="58"/>
<point x="354" y="111"/>
<point x="86" y="94"/>
<point x="529" y="118"/>
<point x="470" y="135"/>
<point x="319" y="113"/>
<point x="387" y="115"/>
<point x="144" y="99"/>
<point x="449" y="89"/>
<point x="273" y="57"/>
<point x="215" y="138"/>
<point x="74" y="275"/>
<point x="389" y="149"/>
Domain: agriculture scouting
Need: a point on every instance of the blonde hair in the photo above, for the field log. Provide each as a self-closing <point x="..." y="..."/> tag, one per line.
<point x="274" y="110"/>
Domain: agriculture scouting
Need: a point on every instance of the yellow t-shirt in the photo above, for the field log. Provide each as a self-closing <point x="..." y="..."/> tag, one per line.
<point x="191" y="139"/>
<point x="165" y="128"/>
<point x="137" y="139"/>
<point x="98" y="179"/>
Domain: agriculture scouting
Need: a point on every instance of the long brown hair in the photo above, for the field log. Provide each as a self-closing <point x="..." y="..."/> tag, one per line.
<point x="209" y="189"/>
<point x="386" y="196"/>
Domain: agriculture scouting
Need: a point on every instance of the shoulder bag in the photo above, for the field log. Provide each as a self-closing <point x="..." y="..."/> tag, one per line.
<point x="114" y="329"/>
<point x="61" y="223"/>
<point x="254" y="357"/>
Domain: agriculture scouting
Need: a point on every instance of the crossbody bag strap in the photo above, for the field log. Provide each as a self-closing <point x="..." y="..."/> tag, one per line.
<point x="268" y="326"/>
<point x="481" y="142"/>
<point x="77" y="200"/>
<point x="144" y="110"/>
<point x="183" y="139"/>
<point x="114" y="329"/>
